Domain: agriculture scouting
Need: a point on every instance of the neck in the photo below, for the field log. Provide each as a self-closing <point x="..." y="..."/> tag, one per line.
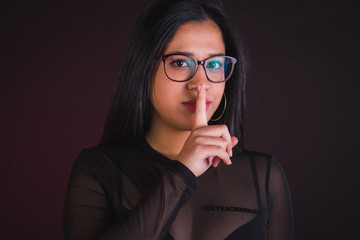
<point x="167" y="141"/>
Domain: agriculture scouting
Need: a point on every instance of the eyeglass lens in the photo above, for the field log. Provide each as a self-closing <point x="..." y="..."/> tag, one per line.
<point x="182" y="68"/>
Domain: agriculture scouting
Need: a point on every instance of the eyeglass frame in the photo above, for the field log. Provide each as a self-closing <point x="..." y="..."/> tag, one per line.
<point x="197" y="63"/>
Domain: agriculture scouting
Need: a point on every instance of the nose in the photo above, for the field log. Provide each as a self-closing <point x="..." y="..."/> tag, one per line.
<point x="198" y="78"/>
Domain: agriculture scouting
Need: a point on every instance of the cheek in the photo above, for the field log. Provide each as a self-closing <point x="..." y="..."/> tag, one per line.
<point x="165" y="94"/>
<point x="163" y="90"/>
<point x="219" y="92"/>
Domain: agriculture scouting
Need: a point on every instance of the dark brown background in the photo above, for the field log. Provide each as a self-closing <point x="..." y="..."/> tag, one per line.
<point x="58" y="67"/>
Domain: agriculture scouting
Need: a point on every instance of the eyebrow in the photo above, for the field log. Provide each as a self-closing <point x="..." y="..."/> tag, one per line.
<point x="192" y="55"/>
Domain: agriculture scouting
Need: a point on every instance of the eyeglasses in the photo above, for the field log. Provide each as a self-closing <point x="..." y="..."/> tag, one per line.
<point x="181" y="68"/>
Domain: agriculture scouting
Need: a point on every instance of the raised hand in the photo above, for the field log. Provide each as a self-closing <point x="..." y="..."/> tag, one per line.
<point x="206" y="145"/>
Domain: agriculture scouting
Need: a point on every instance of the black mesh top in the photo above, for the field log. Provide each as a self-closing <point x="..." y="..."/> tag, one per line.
<point x="134" y="192"/>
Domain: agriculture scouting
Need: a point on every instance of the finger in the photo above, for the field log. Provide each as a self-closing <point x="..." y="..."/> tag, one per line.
<point x="200" y="118"/>
<point x="234" y="141"/>
<point x="210" y="140"/>
<point x="210" y="159"/>
<point x="216" y="151"/>
<point x="215" y="162"/>
<point x="219" y="131"/>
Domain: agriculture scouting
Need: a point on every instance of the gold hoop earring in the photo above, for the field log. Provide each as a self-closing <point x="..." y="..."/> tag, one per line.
<point x="214" y="120"/>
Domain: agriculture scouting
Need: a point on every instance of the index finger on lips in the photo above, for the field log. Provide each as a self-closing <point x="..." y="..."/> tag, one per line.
<point x="200" y="118"/>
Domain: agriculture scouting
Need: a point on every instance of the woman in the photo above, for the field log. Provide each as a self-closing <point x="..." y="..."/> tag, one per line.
<point x="161" y="172"/>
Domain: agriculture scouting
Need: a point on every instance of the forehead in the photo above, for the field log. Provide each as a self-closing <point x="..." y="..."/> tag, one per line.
<point x="199" y="39"/>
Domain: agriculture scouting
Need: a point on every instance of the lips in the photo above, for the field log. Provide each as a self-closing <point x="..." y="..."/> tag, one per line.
<point x="191" y="105"/>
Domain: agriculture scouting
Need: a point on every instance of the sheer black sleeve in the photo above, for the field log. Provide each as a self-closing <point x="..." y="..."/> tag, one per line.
<point x="93" y="208"/>
<point x="280" y="208"/>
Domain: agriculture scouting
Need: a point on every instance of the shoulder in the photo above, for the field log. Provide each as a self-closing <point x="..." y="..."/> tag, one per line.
<point x="100" y="150"/>
<point x="97" y="159"/>
<point x="259" y="158"/>
<point x="268" y="166"/>
<point x="92" y="154"/>
<point x="100" y="163"/>
<point x="103" y="153"/>
<point x="110" y="158"/>
<point x="263" y="162"/>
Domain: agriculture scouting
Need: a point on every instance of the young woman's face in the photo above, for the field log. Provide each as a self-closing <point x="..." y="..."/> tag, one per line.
<point x="170" y="99"/>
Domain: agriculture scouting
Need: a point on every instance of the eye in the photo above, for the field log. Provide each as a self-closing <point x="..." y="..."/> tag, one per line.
<point x="214" y="65"/>
<point x="180" y="63"/>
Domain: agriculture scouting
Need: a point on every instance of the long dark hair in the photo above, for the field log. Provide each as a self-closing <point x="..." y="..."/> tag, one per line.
<point x="130" y="109"/>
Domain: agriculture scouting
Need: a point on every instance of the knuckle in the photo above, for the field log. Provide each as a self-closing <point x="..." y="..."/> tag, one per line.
<point x="223" y="126"/>
<point x="197" y="140"/>
<point x="224" y="143"/>
<point x="198" y="149"/>
<point x="219" y="148"/>
<point x="194" y="132"/>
